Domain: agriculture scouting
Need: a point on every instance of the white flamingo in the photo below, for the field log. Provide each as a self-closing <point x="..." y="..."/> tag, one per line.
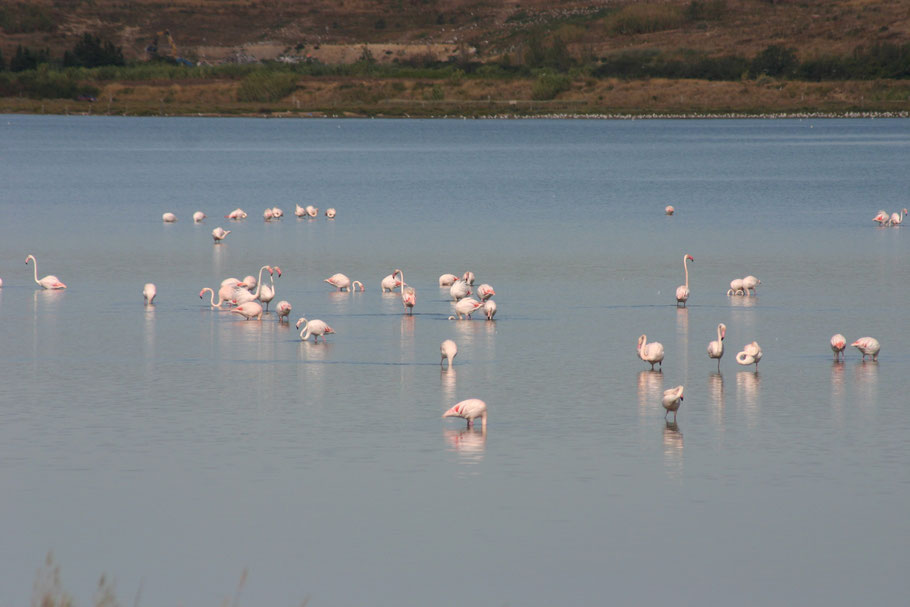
<point x="838" y="345"/>
<point x="751" y="354"/>
<point x="408" y="294"/>
<point x="465" y="307"/>
<point x="168" y="218"/>
<point x="470" y="410"/>
<point x="236" y="214"/>
<point x="343" y="283"/>
<point x="881" y="217"/>
<point x="268" y="291"/>
<point x="448" y="350"/>
<point x="221" y="299"/>
<point x="652" y="353"/>
<point x="489" y="309"/>
<point x="48" y="282"/>
<point x="749" y="284"/>
<point x="241" y="296"/>
<point x="468" y="277"/>
<point x="671" y="400"/>
<point x="669" y="210"/>
<point x="447" y="280"/>
<point x="485" y="292"/>
<point x="277" y="213"/>
<point x="148" y="293"/>
<point x="897" y="218"/>
<point x="268" y="215"/>
<point x="248" y="310"/>
<point x="315" y="328"/>
<point x="299" y="211"/>
<point x="459" y="290"/>
<point x="198" y="216"/>
<point x="736" y="287"/>
<point x="312" y="211"/>
<point x="330" y="213"/>
<point x="716" y="348"/>
<point x="283" y="309"/>
<point x="869" y="346"/>
<point x="682" y="291"/>
<point x="389" y="283"/>
<point x="219" y="234"/>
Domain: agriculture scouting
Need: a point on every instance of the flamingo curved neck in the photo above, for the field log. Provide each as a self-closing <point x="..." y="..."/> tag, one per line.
<point x="686" y="268"/>
<point x="32" y="257"/>
<point x="259" y="281"/>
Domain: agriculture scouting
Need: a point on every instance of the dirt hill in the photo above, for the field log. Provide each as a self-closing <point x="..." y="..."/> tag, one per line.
<point x="336" y="30"/>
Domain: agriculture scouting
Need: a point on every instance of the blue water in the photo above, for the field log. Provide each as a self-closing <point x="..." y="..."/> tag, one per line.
<point x="195" y="458"/>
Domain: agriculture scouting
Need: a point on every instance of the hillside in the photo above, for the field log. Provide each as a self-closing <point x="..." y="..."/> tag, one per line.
<point x="335" y="30"/>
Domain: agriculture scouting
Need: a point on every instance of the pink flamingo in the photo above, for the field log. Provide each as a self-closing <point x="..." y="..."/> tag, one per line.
<point x="48" y="282"/>
<point x="881" y="217"/>
<point x="408" y="294"/>
<point x="268" y="215"/>
<point x="267" y="293"/>
<point x="869" y="346"/>
<point x="219" y="234"/>
<point x="149" y="292"/>
<point x="470" y="410"/>
<point x="198" y="216"/>
<point x="485" y="292"/>
<point x="682" y="291"/>
<point x="299" y="211"/>
<point x="489" y="309"/>
<point x="168" y="218"/>
<point x="248" y="310"/>
<point x="283" y="309"/>
<point x="242" y="296"/>
<point x="671" y="400"/>
<point x="343" y="283"/>
<point x="389" y="283"/>
<point x="459" y="290"/>
<point x="315" y="328"/>
<point x="330" y="213"/>
<point x="221" y="299"/>
<point x="669" y="210"/>
<point x="652" y="353"/>
<point x="465" y="307"/>
<point x="736" y="287"/>
<point x="749" y="284"/>
<point x="448" y="350"/>
<point x="716" y="348"/>
<point x="751" y="354"/>
<point x="236" y="214"/>
<point x="897" y="218"/>
<point x="447" y="280"/>
<point x="838" y="345"/>
<point x="468" y="277"/>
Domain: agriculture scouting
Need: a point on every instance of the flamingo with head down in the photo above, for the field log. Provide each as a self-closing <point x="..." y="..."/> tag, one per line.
<point x="236" y="214"/>
<point x="749" y="284"/>
<point x="869" y="346"/>
<point x="198" y="216"/>
<point x="330" y="213"/>
<point x="470" y="410"/>
<point x="468" y="277"/>
<point x="315" y="328"/>
<point x="48" y="282"/>
<point x="219" y="234"/>
<point x="459" y="290"/>
<point x="489" y="309"/>
<point x="465" y="307"/>
<point x="448" y="350"/>
<point x="343" y="283"/>
<point x="248" y="310"/>
<point x="736" y="287"/>
<point x="838" y="345"/>
<point x="148" y="293"/>
<point x="221" y="299"/>
<point x="168" y="218"/>
<point x="447" y="280"/>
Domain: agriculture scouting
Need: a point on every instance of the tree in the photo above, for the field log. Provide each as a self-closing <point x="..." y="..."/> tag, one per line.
<point x="25" y="59"/>
<point x="2" y="62"/>
<point x="775" y="61"/>
<point x="91" y="51"/>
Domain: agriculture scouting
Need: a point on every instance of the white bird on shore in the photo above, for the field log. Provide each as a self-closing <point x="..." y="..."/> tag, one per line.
<point x="652" y="353"/>
<point x="148" y="293"/>
<point x="448" y="350"/>
<point x="869" y="346"/>
<point x="671" y="400"/>
<point x="470" y="410"/>
<point x="838" y="345"/>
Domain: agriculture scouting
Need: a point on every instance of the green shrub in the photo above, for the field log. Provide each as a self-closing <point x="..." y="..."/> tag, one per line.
<point x="548" y="86"/>
<point x="263" y="86"/>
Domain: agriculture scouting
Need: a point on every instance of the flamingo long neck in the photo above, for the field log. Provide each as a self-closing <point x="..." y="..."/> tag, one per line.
<point x="212" y="293"/>
<point x="259" y="281"/>
<point x="354" y="285"/>
<point x="720" y="341"/>
<point x="686" y="268"/>
<point x="32" y="257"/>
<point x="305" y="329"/>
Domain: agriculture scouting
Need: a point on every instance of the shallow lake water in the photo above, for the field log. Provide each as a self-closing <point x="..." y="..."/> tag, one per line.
<point x="196" y="458"/>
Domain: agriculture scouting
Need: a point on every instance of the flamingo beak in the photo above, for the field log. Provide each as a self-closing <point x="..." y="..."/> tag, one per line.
<point x="277" y="269"/>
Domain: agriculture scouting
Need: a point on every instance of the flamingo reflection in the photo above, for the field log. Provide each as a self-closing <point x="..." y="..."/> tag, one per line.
<point x="673" y="449"/>
<point x="747" y="383"/>
<point x="447" y="378"/>
<point x="716" y="394"/>
<point x="468" y="443"/>
<point x="650" y="388"/>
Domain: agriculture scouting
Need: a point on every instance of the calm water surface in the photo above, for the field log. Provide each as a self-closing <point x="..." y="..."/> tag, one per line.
<point x="173" y="448"/>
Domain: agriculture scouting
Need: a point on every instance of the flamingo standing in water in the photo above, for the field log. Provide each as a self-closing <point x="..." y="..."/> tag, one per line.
<point x="148" y="293"/>
<point x="236" y="214"/>
<point x="751" y="354"/>
<point x="749" y="284"/>
<point x="198" y="216"/>
<point x="48" y="282"/>
<point x="650" y="352"/>
<point x="330" y="213"/>
<point x="736" y="287"/>
<point x="268" y="215"/>
<point x="448" y="350"/>
<point x="716" y="348"/>
<point x="277" y="213"/>
<point x="283" y="309"/>
<point x="485" y="292"/>
<point x="389" y="283"/>
<point x="465" y="307"/>
<point x="343" y="283"/>
<point x="312" y="211"/>
<point x="869" y="346"/>
<point x="468" y="277"/>
<point x="315" y="328"/>
<point x="221" y="299"/>
<point x="447" y="280"/>
<point x="219" y="234"/>
<point x="838" y="344"/>
<point x="881" y="217"/>
<point x="408" y="294"/>
<point x="897" y="218"/>
<point x="267" y="293"/>
<point x="470" y="410"/>
<point x="242" y="296"/>
<point x="168" y="218"/>
<point x="682" y="291"/>
<point x="459" y="290"/>
<point x="248" y="310"/>
<point x="671" y="400"/>
<point x="489" y="309"/>
<point x="299" y="211"/>
<point x="669" y="210"/>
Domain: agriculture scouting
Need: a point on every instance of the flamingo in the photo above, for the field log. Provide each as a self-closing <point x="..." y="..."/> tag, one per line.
<point x="389" y="283"/>
<point x="168" y="218"/>
<point x="1" y="282"/>
<point x="716" y="348"/>
<point x="736" y="287"/>
<point x="470" y="410"/>
<point x="408" y="294"/>
<point x="312" y="211"/>
<point x="277" y="213"/>
<point x="682" y="291"/>
<point x="248" y="310"/>
<point x="267" y="293"/>
<point x="236" y="214"/>
<point x="459" y="290"/>
<point x="897" y="218"/>
<point x="242" y="296"/>
<point x="48" y="282"/>
<point x="489" y="309"/>
<point x="669" y="210"/>
<point x="749" y="284"/>
<point x="468" y="277"/>
<point x="485" y="292"/>
<point x="283" y="309"/>
<point x="315" y="328"/>
<point x="342" y="282"/>
<point x="448" y="350"/>
<point x="447" y="280"/>
<point x="869" y="346"/>
<point x="751" y="354"/>
<point x="221" y="299"/>
<point x="881" y="217"/>
<point x="671" y="400"/>
<point x="198" y="216"/>
<point x="299" y="211"/>
<point x="268" y="215"/>
<point x="651" y="352"/>
<point x="219" y="234"/>
<point x="148" y="292"/>
<point x="330" y="213"/>
<point x="838" y="344"/>
<point x="465" y="307"/>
